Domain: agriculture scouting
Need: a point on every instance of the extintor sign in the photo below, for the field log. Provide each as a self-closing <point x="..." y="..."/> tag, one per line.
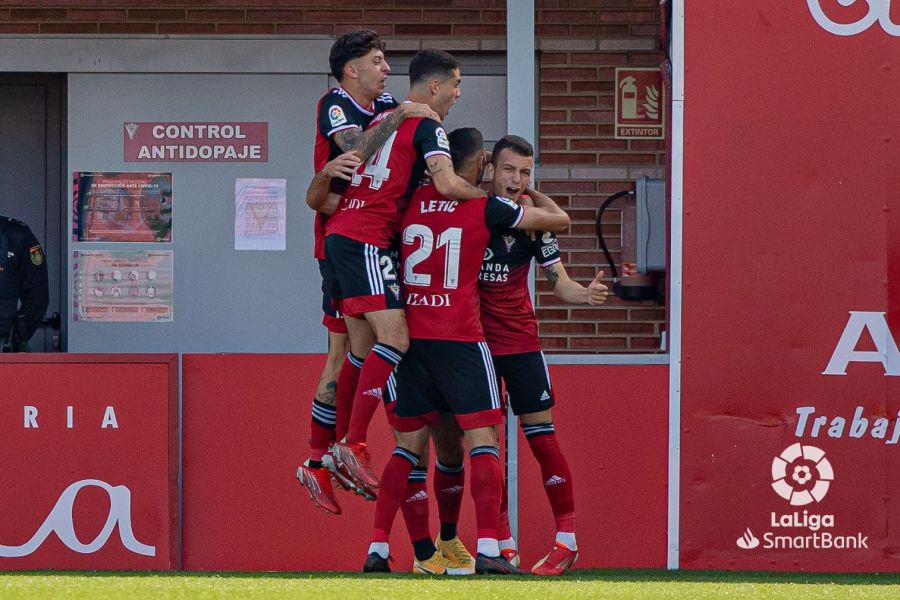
<point x="640" y="105"/>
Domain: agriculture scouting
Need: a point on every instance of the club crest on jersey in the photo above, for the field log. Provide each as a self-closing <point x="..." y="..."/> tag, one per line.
<point x="509" y="241"/>
<point x="395" y="289"/>
<point x="336" y="116"/>
<point x="442" y="140"/>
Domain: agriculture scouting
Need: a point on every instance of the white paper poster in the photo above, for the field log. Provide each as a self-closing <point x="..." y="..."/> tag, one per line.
<point x="260" y="215"/>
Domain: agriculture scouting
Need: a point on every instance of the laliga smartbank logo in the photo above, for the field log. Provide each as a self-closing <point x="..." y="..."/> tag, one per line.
<point x="801" y="475"/>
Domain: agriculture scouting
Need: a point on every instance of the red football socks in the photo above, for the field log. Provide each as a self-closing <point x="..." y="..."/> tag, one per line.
<point x="373" y="377"/>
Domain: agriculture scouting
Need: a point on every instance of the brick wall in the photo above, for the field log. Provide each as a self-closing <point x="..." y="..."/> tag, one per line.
<point x="581" y="42"/>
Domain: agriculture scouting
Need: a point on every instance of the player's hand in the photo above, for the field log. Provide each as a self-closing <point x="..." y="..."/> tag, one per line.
<point x="343" y="166"/>
<point x="597" y="292"/>
<point x="418" y="109"/>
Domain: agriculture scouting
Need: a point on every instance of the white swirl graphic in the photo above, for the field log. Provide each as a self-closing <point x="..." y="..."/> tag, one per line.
<point x="879" y="10"/>
<point x="60" y="521"/>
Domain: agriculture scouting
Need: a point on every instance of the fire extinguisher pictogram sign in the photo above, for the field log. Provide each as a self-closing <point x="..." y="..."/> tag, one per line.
<point x="640" y="106"/>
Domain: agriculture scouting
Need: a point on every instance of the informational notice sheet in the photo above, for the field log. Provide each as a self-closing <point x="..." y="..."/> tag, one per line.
<point x="260" y="216"/>
<point x="123" y="286"/>
<point x="122" y="207"/>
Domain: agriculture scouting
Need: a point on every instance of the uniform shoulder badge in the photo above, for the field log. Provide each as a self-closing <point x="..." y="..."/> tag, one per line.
<point x="336" y="116"/>
<point x="37" y="255"/>
<point x="442" y="140"/>
<point x="507" y="201"/>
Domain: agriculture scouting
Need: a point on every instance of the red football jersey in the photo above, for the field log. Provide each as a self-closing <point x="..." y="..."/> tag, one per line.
<point x="506" y="311"/>
<point x="442" y="247"/>
<point x="371" y="209"/>
<point x="337" y="110"/>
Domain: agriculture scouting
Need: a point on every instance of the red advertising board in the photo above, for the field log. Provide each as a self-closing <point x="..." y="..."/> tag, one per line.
<point x="89" y="462"/>
<point x="245" y="431"/>
<point x="173" y="141"/>
<point x="790" y="389"/>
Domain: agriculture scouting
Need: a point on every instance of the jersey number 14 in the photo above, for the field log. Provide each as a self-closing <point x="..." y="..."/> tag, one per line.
<point x="376" y="170"/>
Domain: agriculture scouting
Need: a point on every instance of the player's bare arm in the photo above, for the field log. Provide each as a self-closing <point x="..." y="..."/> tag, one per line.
<point x="448" y="183"/>
<point x="318" y="196"/>
<point x="365" y="143"/>
<point x="572" y="292"/>
<point x="542" y="219"/>
<point x="541" y="200"/>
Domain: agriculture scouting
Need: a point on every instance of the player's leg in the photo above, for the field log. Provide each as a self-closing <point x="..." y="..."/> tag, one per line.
<point x="465" y="377"/>
<point x="392" y="342"/>
<point x="316" y="473"/>
<point x="369" y="286"/>
<point x="449" y="484"/>
<point x="557" y="477"/>
<point x="508" y="549"/>
<point x="531" y="396"/>
<point x="395" y="478"/>
<point x="414" y="412"/>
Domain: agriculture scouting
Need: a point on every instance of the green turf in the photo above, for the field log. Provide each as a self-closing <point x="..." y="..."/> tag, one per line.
<point x="682" y="585"/>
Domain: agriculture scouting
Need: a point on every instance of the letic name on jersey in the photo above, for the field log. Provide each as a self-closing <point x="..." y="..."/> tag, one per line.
<point x="353" y="203"/>
<point x="438" y="206"/>
<point x="492" y="271"/>
<point x="436" y="300"/>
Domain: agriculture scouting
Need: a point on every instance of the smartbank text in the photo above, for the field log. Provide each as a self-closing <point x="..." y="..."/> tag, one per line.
<point x="814" y="539"/>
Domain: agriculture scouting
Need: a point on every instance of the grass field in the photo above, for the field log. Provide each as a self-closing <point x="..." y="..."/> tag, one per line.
<point x="682" y="585"/>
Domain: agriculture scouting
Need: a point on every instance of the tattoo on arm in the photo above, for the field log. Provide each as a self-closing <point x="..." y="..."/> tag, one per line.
<point x="364" y="144"/>
<point x="552" y="276"/>
<point x="348" y="139"/>
<point x="329" y="396"/>
<point x="434" y="167"/>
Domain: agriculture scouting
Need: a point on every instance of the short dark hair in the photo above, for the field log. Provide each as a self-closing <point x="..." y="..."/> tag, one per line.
<point x="465" y="144"/>
<point x="430" y="62"/>
<point x="517" y="144"/>
<point x="352" y="45"/>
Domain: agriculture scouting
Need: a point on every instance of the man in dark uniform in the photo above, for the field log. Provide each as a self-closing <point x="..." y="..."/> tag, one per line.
<point x="24" y="285"/>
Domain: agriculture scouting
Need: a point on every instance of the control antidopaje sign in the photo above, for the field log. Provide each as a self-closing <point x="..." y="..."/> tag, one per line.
<point x="790" y="373"/>
<point x="196" y="142"/>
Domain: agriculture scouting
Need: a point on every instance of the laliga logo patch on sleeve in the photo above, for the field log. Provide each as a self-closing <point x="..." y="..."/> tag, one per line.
<point x="336" y="116"/>
<point x="37" y="255"/>
<point x="507" y="201"/>
<point x="442" y="140"/>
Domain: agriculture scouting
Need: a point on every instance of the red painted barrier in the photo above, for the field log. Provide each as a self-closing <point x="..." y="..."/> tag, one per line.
<point x="612" y="424"/>
<point x="89" y="462"/>
<point x="790" y="264"/>
<point x="245" y="426"/>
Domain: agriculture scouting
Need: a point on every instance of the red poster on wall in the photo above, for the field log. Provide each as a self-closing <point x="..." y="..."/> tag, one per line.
<point x="790" y="372"/>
